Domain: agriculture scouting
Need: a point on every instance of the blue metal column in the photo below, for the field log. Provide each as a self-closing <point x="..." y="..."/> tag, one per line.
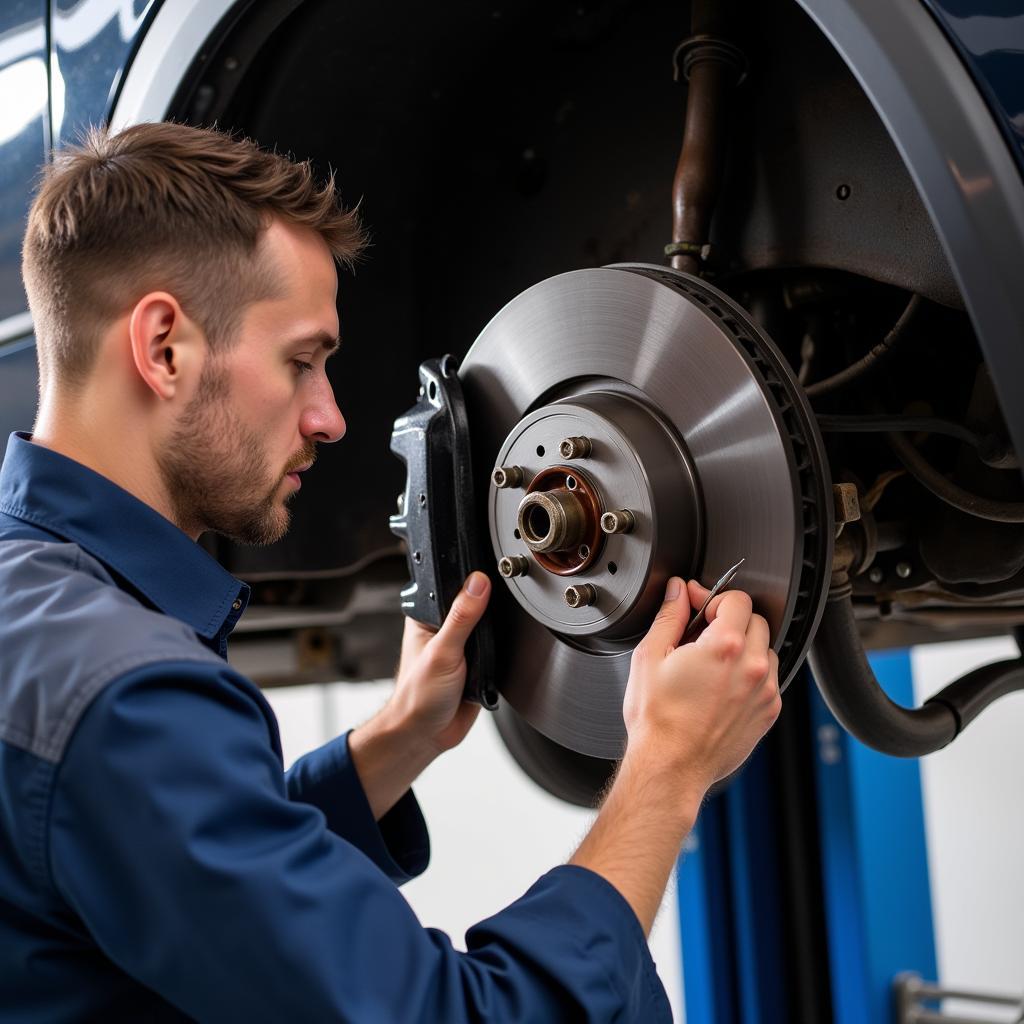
<point x="700" y="888"/>
<point x="874" y="859"/>
<point x="730" y="907"/>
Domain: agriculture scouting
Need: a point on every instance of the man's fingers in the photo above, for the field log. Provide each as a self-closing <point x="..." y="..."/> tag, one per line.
<point x="733" y="607"/>
<point x="465" y="612"/>
<point x="728" y="616"/>
<point x="670" y="622"/>
<point x="758" y="634"/>
<point x="698" y="594"/>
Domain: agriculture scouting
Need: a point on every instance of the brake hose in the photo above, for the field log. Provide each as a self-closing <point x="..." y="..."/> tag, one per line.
<point x="872" y="360"/>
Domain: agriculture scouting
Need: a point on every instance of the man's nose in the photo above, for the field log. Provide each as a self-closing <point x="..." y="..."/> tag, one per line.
<point x="322" y="420"/>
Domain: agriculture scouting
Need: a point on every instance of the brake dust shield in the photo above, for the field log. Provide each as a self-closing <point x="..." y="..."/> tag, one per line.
<point x="640" y="390"/>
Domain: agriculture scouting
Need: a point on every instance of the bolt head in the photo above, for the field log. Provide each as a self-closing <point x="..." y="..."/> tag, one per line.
<point x="575" y="448"/>
<point x="581" y="595"/>
<point x="513" y="565"/>
<point x="903" y="570"/>
<point x="621" y="521"/>
<point x="507" y="476"/>
<point x="876" y="575"/>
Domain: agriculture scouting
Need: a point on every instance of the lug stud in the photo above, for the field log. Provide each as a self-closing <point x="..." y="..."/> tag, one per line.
<point x="513" y="565"/>
<point x="580" y="595"/>
<point x="621" y="521"/>
<point x="575" y="448"/>
<point x="507" y="476"/>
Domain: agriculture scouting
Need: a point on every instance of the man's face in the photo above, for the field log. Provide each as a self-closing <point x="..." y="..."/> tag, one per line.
<point x="251" y="427"/>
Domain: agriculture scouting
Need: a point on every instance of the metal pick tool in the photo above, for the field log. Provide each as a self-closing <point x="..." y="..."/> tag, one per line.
<point x="695" y="622"/>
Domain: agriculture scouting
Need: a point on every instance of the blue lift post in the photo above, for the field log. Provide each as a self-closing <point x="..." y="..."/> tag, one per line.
<point x="732" y="907"/>
<point x="874" y="887"/>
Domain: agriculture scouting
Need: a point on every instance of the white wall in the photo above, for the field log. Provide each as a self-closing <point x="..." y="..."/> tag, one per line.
<point x="493" y="832"/>
<point x="974" y="823"/>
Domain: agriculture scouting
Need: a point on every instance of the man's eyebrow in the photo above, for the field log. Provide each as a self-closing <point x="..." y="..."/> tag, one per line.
<point x="331" y="342"/>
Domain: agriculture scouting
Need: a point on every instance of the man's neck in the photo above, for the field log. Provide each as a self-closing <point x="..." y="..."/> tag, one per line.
<point x="90" y="438"/>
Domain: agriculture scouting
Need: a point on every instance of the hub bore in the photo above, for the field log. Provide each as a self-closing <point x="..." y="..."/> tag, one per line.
<point x="552" y="520"/>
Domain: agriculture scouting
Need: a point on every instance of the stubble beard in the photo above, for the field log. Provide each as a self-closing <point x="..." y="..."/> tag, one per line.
<point x="216" y="469"/>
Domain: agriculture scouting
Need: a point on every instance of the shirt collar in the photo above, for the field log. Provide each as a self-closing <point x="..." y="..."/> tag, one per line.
<point x="164" y="564"/>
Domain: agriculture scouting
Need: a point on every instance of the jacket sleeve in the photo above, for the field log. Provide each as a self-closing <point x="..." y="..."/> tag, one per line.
<point x="326" y="778"/>
<point x="173" y="838"/>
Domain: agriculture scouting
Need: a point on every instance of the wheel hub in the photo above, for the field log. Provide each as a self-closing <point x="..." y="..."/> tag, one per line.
<point x="634" y="465"/>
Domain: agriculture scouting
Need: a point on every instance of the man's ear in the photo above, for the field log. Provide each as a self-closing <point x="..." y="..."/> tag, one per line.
<point x="165" y="343"/>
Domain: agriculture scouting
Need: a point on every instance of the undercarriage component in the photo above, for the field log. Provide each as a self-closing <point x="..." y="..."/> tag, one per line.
<point x="862" y="707"/>
<point x="697" y="429"/>
<point x="712" y="66"/>
<point x="973" y="504"/>
<point x="870" y="362"/>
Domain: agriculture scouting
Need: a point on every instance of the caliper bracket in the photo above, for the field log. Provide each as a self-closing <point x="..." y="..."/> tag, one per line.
<point x="437" y="514"/>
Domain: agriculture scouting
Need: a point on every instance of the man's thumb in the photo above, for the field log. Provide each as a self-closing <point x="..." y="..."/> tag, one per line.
<point x="671" y="620"/>
<point x="465" y="612"/>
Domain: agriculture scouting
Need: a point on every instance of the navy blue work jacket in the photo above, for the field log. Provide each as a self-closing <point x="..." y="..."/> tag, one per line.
<point x="157" y="863"/>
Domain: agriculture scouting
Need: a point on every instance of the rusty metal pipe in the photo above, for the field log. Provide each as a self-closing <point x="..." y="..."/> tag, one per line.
<point x="713" y="66"/>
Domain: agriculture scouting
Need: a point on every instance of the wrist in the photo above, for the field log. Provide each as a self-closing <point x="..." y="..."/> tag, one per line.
<point x="388" y="740"/>
<point x="639" y="833"/>
<point x="675" y="787"/>
<point x="406" y="719"/>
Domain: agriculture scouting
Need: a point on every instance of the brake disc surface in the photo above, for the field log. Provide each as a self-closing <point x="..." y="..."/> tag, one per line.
<point x="692" y="423"/>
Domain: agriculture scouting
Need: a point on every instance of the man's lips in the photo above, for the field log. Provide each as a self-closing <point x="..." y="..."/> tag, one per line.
<point x="293" y="474"/>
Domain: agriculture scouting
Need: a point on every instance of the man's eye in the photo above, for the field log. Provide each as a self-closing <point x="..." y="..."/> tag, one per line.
<point x="303" y="367"/>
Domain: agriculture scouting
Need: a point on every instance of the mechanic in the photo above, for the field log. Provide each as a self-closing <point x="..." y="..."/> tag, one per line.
<point x="156" y="862"/>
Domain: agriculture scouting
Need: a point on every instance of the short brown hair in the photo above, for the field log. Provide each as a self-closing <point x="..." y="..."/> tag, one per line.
<point x="161" y="207"/>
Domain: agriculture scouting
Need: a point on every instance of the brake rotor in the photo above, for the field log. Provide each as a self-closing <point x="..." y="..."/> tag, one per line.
<point x="646" y="393"/>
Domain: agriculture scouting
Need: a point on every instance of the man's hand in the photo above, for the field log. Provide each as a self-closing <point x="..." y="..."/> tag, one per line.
<point x="426" y="714"/>
<point x="432" y="671"/>
<point x="698" y="710"/>
<point x="693" y="714"/>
